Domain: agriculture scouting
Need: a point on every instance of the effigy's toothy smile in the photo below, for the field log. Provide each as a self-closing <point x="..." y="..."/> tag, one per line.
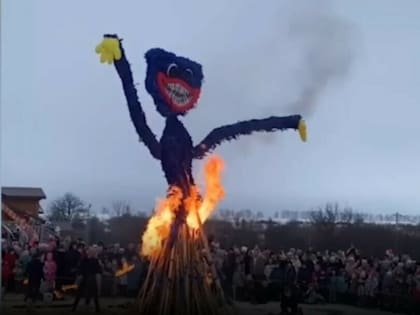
<point x="178" y="94"/>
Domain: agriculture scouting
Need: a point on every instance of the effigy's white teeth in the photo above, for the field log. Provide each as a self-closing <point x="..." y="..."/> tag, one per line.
<point x="178" y="94"/>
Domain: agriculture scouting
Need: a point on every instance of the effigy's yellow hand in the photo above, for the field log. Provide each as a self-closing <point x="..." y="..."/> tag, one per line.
<point x="109" y="49"/>
<point x="302" y="130"/>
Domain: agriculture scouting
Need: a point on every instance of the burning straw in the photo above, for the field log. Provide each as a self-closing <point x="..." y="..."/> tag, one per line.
<point x="182" y="278"/>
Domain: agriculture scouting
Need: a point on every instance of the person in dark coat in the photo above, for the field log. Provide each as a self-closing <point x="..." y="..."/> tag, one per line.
<point x="289" y="294"/>
<point x="229" y="267"/>
<point x="134" y="277"/>
<point x="35" y="274"/>
<point x="72" y="260"/>
<point x="89" y="276"/>
<point x="247" y="261"/>
<point x="60" y="259"/>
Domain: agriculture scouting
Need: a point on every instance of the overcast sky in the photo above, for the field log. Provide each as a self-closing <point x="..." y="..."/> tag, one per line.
<point x="352" y="68"/>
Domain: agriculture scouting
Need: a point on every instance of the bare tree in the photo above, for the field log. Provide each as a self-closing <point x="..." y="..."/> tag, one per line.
<point x="317" y="217"/>
<point x="358" y="219"/>
<point x="238" y="215"/>
<point x="120" y="208"/>
<point x="105" y="211"/>
<point x="68" y="208"/>
<point x="346" y="216"/>
<point x="225" y="214"/>
<point x="326" y="218"/>
<point x="247" y="214"/>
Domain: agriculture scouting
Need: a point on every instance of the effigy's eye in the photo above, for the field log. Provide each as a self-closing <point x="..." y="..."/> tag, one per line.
<point x="172" y="69"/>
<point x="189" y="73"/>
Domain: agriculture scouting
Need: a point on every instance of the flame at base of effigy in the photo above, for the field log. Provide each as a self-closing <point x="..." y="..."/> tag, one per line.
<point x="182" y="277"/>
<point x="176" y="208"/>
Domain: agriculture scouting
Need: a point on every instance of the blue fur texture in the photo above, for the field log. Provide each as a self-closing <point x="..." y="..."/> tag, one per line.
<point x="158" y="60"/>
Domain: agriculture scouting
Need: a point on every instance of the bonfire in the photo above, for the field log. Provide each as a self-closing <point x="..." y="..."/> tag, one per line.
<point x="182" y="277"/>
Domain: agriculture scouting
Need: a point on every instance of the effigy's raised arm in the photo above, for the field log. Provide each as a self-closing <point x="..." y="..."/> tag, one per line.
<point x="112" y="52"/>
<point x="233" y="131"/>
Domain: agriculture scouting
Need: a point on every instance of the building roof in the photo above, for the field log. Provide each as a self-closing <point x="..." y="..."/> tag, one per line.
<point x="23" y="192"/>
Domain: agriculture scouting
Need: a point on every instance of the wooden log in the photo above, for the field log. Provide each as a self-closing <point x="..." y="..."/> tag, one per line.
<point x="166" y="289"/>
<point x="177" y="279"/>
<point x="185" y="267"/>
<point x="212" y="266"/>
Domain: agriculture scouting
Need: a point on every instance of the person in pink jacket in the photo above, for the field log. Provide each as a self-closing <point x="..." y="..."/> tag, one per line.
<point x="50" y="272"/>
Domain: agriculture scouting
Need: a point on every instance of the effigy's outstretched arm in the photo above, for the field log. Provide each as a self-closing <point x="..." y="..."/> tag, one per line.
<point x="229" y="132"/>
<point x="111" y="51"/>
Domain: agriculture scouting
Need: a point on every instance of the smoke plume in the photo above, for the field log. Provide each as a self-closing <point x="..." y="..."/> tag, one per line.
<point x="276" y="59"/>
<point x="326" y="53"/>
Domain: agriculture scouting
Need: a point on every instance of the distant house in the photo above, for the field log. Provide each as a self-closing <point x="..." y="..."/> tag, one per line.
<point x="21" y="206"/>
<point x="23" y="200"/>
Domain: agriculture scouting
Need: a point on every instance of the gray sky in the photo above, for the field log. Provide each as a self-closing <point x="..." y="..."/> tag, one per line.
<point x="65" y="125"/>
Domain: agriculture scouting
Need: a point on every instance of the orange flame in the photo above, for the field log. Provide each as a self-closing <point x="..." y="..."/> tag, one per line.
<point x="126" y="268"/>
<point x="198" y="210"/>
<point x="214" y="193"/>
<point x="159" y="224"/>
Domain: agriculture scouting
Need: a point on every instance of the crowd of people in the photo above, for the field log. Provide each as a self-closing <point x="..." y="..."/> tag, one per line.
<point x="249" y="274"/>
<point x="51" y="270"/>
<point x="307" y="276"/>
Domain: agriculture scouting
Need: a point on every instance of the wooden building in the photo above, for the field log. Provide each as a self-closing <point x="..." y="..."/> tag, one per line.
<point x="21" y="207"/>
<point x="23" y="200"/>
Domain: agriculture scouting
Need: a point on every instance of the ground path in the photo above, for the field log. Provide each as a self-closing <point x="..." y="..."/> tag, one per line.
<point x="13" y="304"/>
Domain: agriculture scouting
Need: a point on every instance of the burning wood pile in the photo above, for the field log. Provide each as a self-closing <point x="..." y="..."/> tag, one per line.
<point x="182" y="277"/>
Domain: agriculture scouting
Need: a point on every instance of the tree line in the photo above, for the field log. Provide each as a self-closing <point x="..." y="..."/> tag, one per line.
<point x="329" y="227"/>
